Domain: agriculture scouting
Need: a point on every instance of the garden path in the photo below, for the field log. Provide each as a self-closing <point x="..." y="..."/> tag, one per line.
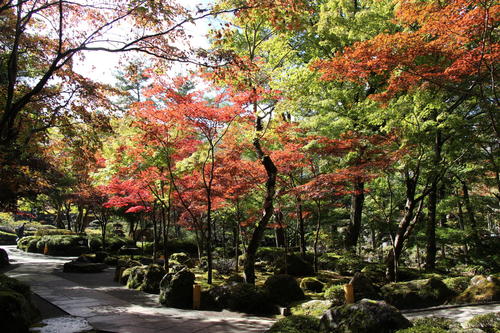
<point x="110" y="307"/>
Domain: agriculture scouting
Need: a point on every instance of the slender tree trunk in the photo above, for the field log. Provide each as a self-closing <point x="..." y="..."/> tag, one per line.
<point x="354" y="228"/>
<point x="461" y="223"/>
<point x="302" y="234"/>
<point x="316" y="236"/>
<point x="470" y="214"/>
<point x="431" y="248"/>
<point x="258" y="233"/>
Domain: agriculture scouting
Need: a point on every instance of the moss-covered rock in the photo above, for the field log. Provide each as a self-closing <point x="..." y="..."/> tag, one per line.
<point x="295" y="324"/>
<point x="17" y="312"/>
<point x="365" y="316"/>
<point x="481" y="289"/>
<point x="153" y="274"/>
<point x="313" y="307"/>
<point x="182" y="258"/>
<point x="363" y="287"/>
<point x="4" y="258"/>
<point x="136" y="277"/>
<point x="436" y="322"/>
<point x="416" y="294"/>
<point x="311" y="284"/>
<point x="283" y="289"/>
<point x="176" y="289"/>
<point x="457" y="284"/>
<point x="122" y="265"/>
<point x="250" y="299"/>
<point x="240" y="297"/>
<point x="83" y="267"/>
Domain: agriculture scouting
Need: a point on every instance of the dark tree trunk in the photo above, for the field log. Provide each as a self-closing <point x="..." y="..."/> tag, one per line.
<point x="316" y="236"/>
<point x="258" y="233"/>
<point x="279" y="231"/>
<point x="431" y="248"/>
<point x="405" y="226"/>
<point x="354" y="228"/>
<point x="302" y="233"/>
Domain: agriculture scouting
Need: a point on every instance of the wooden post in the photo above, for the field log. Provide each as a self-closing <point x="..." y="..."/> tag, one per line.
<point x="196" y="296"/>
<point x="46" y="250"/>
<point x="349" y="293"/>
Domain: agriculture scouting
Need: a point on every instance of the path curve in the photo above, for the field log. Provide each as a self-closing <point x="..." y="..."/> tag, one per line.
<point x="110" y="307"/>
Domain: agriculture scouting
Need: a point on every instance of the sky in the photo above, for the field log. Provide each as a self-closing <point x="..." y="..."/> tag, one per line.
<point x="101" y="66"/>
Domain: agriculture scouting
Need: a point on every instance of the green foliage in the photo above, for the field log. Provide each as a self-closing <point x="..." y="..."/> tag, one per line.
<point x="7" y="238"/>
<point x="335" y="294"/>
<point x="457" y="284"/>
<point x="436" y="322"/>
<point x="416" y="294"/>
<point x="51" y="232"/>
<point x="489" y="323"/>
<point x="422" y="329"/>
<point x="295" y="324"/>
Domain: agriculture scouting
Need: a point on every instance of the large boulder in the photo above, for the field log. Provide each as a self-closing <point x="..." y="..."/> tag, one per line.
<point x="366" y="316"/>
<point x="83" y="267"/>
<point x="363" y="287"/>
<point x="481" y="289"/>
<point x="4" y="258"/>
<point x="145" y="278"/>
<point x="176" y="289"/>
<point x="122" y="265"/>
<point x="182" y="258"/>
<point x="416" y="294"/>
<point x="242" y="297"/>
<point x="283" y="289"/>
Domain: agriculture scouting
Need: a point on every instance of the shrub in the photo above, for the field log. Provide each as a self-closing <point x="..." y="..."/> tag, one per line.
<point x="283" y="289"/>
<point x="50" y="232"/>
<point x="295" y="265"/>
<point x="335" y="294"/>
<point x="65" y="245"/>
<point x="436" y="322"/>
<point x="489" y="323"/>
<point x="95" y="243"/>
<point x="416" y="294"/>
<point x="189" y="247"/>
<point x="269" y="254"/>
<point x="422" y="329"/>
<point x="29" y="243"/>
<point x="115" y="243"/>
<point x="224" y="266"/>
<point x="295" y="324"/>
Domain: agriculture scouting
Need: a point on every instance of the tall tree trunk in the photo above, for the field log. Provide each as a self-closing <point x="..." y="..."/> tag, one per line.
<point x="471" y="216"/>
<point x="279" y="230"/>
<point x="461" y="223"/>
<point x="258" y="233"/>
<point x="404" y="227"/>
<point x="354" y="228"/>
<point x="316" y="236"/>
<point x="302" y="234"/>
<point x="431" y="249"/>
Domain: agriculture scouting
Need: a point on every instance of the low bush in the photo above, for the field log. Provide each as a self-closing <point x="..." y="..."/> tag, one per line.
<point x="335" y="294"/>
<point x="457" y="284"/>
<point x="295" y="324"/>
<point x="64" y="245"/>
<point x="224" y="266"/>
<point x="51" y="232"/>
<point x="436" y="322"/>
<point x="489" y="323"/>
<point x="29" y="243"/>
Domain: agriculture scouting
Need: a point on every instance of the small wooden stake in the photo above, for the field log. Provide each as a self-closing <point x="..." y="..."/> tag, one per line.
<point x="349" y="293"/>
<point x="196" y="296"/>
